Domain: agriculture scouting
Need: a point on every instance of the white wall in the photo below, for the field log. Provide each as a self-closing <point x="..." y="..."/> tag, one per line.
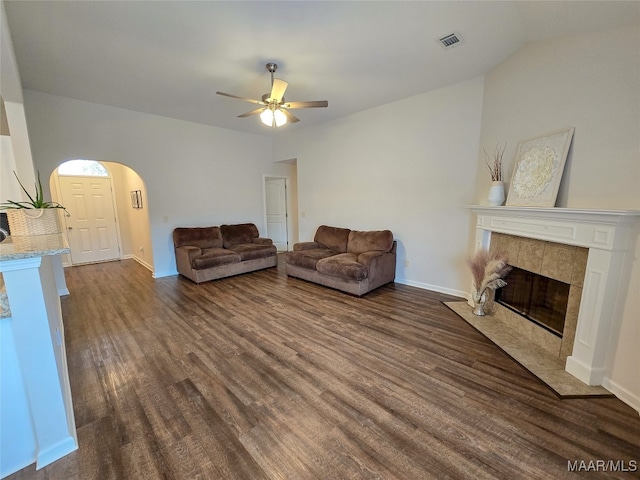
<point x="195" y="174"/>
<point x="9" y="187"/>
<point x="133" y="224"/>
<point x="590" y="82"/>
<point x="408" y="166"/>
<point x="18" y="156"/>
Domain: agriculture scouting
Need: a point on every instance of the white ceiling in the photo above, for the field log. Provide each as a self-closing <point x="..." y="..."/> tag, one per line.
<point x="170" y="57"/>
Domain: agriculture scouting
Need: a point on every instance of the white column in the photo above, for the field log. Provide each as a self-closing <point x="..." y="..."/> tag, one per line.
<point x="599" y="310"/>
<point x="39" y="342"/>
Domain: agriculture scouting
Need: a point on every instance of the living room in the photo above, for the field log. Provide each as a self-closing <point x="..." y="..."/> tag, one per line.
<point x="410" y="166"/>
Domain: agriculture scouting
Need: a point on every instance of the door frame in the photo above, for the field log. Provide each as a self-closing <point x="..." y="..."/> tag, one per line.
<point x="66" y="258"/>
<point x="287" y="186"/>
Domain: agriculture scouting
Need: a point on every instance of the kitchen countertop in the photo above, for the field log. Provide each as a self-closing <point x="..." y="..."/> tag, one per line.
<point x="5" y="310"/>
<point x="15" y="248"/>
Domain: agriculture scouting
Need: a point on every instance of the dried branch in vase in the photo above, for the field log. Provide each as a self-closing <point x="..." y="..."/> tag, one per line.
<point x="495" y="166"/>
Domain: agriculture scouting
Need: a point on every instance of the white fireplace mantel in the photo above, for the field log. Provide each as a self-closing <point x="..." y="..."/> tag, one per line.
<point x="610" y="236"/>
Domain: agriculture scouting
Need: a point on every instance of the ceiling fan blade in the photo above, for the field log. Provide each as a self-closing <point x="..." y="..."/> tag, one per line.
<point x="291" y="118"/>
<point x="250" y="100"/>
<point x="312" y="104"/>
<point x="252" y="112"/>
<point x="277" y="90"/>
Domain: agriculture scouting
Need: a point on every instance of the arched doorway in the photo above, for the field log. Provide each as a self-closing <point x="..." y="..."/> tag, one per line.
<point x="129" y="219"/>
<point x="86" y="191"/>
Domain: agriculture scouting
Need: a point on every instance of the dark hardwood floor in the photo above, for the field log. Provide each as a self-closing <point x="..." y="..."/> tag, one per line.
<point x="264" y="377"/>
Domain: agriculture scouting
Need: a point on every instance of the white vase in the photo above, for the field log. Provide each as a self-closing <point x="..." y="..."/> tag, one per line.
<point x="496" y="194"/>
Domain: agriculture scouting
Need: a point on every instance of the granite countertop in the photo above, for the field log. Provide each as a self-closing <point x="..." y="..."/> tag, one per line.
<point x="5" y="311"/>
<point x="15" y="248"/>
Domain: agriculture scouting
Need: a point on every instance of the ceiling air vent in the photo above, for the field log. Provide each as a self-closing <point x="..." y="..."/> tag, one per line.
<point x="450" y="41"/>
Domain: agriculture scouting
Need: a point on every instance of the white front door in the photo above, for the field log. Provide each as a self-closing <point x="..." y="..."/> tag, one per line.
<point x="276" y="200"/>
<point x="91" y="221"/>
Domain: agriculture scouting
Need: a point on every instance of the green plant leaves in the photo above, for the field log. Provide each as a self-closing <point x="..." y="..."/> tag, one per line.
<point x="38" y="202"/>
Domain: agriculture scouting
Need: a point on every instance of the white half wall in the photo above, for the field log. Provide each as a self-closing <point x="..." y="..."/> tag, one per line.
<point x="196" y="175"/>
<point x="408" y="166"/>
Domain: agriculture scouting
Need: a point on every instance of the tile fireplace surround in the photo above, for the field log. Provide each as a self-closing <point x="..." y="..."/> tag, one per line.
<point x="609" y="236"/>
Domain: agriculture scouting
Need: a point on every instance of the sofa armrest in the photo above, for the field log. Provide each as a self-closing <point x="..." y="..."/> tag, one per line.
<point x="367" y="258"/>
<point x="262" y="241"/>
<point x="305" y="246"/>
<point x="185" y="256"/>
<point x="381" y="265"/>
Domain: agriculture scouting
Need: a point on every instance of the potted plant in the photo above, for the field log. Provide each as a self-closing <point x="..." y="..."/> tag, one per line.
<point x="488" y="271"/>
<point x="33" y="217"/>
<point x="496" y="192"/>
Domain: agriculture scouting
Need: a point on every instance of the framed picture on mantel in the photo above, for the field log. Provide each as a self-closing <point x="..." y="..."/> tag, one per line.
<point x="538" y="169"/>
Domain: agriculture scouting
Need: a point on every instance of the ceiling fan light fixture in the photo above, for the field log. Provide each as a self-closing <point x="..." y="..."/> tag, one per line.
<point x="279" y="117"/>
<point x="273" y="117"/>
<point x="270" y="111"/>
<point x="267" y="117"/>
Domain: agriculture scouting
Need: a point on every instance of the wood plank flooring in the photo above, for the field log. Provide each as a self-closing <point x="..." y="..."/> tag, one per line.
<point x="264" y="377"/>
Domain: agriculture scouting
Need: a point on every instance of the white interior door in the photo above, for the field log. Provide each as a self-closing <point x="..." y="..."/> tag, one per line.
<point x="276" y="200"/>
<point x="91" y="222"/>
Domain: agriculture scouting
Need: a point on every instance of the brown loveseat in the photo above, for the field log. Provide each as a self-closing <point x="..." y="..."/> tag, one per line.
<point x="348" y="260"/>
<point x="208" y="253"/>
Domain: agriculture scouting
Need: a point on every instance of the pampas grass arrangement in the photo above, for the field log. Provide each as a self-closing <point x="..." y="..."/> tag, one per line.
<point x="488" y="271"/>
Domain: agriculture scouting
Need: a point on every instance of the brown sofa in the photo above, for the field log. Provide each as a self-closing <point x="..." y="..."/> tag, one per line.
<point x="209" y="253"/>
<point x="348" y="260"/>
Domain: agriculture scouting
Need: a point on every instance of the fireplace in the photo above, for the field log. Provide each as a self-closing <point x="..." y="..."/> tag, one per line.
<point x="537" y="298"/>
<point x="601" y="242"/>
<point x="542" y="297"/>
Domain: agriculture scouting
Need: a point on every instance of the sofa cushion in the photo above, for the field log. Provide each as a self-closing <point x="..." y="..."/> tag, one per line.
<point x="251" y="251"/>
<point x="237" y="234"/>
<point x="308" y="258"/>
<point x="379" y="241"/>
<point x="344" y="265"/>
<point x="214" y="257"/>
<point x="201" y="237"/>
<point x="333" y="238"/>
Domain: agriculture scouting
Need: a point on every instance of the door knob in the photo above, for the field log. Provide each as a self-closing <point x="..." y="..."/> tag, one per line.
<point x="69" y="228"/>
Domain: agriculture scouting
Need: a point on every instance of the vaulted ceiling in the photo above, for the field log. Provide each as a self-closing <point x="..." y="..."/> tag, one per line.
<point x="170" y="57"/>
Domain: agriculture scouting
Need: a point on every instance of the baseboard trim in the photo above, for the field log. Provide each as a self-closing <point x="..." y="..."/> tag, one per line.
<point x="585" y="373"/>
<point x="434" y="288"/>
<point x="622" y="393"/>
<point x="164" y="274"/>
<point x="56" y="452"/>
<point x="140" y="261"/>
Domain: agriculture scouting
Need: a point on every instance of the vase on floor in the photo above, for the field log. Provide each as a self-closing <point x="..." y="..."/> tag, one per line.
<point x="479" y="302"/>
<point x="496" y="194"/>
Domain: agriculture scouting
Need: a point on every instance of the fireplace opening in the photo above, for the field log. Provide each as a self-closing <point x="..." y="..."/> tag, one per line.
<point x="540" y="299"/>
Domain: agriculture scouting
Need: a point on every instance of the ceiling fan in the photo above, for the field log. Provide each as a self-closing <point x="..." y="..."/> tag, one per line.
<point x="274" y="110"/>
